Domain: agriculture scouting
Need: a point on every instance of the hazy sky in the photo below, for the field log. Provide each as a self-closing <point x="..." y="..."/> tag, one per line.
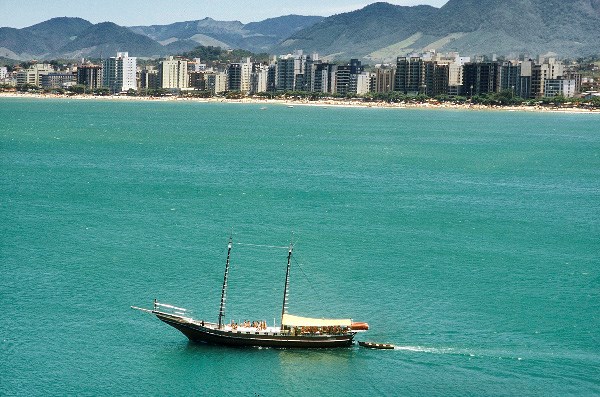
<point x="19" y="13"/>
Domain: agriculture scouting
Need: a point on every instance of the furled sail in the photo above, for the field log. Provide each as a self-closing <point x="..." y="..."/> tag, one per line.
<point x="295" y="321"/>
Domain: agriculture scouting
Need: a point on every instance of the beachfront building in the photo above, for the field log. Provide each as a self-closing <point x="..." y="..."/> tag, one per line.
<point x="149" y="78"/>
<point x="57" y="80"/>
<point x="384" y="76"/>
<point x="560" y="87"/>
<point x="286" y="76"/>
<point x="197" y="80"/>
<point x="322" y="77"/>
<point x="546" y="68"/>
<point x="259" y="78"/>
<point x="3" y="72"/>
<point x="239" y="76"/>
<point x="361" y="83"/>
<point x="89" y="76"/>
<point x="415" y="75"/>
<point x="342" y="80"/>
<point x="173" y="73"/>
<point x="291" y="72"/>
<point x="481" y="78"/>
<point x="525" y="79"/>
<point x="33" y="74"/>
<point x="510" y="78"/>
<point x="455" y="64"/>
<point x="350" y="79"/>
<point x="216" y="82"/>
<point x="572" y="75"/>
<point x="408" y="75"/>
<point x="272" y="75"/>
<point x="119" y="73"/>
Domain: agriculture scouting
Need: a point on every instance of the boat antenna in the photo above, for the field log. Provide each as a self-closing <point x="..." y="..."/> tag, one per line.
<point x="287" y="281"/>
<point x="224" y="290"/>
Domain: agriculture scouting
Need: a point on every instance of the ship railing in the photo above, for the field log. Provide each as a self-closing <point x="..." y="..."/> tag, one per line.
<point x="175" y="311"/>
<point x="170" y="309"/>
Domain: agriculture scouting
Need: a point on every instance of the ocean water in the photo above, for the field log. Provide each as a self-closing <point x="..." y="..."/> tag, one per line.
<point x="468" y="239"/>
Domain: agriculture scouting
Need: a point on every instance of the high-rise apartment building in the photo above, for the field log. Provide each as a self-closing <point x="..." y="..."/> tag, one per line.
<point x="548" y="68"/>
<point x="342" y="80"/>
<point x="286" y="76"/>
<point x="174" y="73"/>
<point x="510" y="78"/>
<point x="216" y="82"/>
<point x="259" y="78"/>
<point x="90" y="76"/>
<point x="293" y="72"/>
<point x="197" y="80"/>
<point x="481" y="78"/>
<point x="384" y="78"/>
<point x="417" y="76"/>
<point x="322" y="77"/>
<point x="149" y="78"/>
<point x="409" y="75"/>
<point x="239" y="76"/>
<point x="119" y="73"/>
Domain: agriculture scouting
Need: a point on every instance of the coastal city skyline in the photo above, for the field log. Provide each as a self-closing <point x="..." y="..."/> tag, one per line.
<point x="137" y="12"/>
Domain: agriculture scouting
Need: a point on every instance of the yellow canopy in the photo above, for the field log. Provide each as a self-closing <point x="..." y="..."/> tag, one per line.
<point x="295" y="321"/>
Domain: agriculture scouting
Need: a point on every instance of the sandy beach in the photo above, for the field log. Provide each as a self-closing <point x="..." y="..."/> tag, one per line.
<point x="432" y="104"/>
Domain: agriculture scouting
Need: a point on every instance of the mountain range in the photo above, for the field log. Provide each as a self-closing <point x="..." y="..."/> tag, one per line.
<point x="382" y="31"/>
<point x="73" y="38"/>
<point x="377" y="33"/>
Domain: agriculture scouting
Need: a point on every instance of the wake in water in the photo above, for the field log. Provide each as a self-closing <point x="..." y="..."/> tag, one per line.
<point x="452" y="351"/>
<point x="425" y="349"/>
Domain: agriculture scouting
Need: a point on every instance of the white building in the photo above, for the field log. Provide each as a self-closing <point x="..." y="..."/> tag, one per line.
<point x="174" y="73"/>
<point x="363" y="83"/>
<point x="198" y="65"/>
<point x="118" y="73"/>
<point x="546" y="69"/>
<point x="33" y="74"/>
<point x="260" y="75"/>
<point x="3" y="72"/>
<point x="560" y="87"/>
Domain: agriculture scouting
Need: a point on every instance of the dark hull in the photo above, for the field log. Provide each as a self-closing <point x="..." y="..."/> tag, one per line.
<point x="373" y="345"/>
<point x="198" y="333"/>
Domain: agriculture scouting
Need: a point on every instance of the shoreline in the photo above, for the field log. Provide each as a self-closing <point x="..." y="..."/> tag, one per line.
<point x="318" y="103"/>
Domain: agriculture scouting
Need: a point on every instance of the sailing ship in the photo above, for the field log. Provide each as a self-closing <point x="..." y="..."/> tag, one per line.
<point x="294" y="331"/>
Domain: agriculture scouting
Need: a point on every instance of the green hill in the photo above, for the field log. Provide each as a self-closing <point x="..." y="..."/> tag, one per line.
<point x="105" y="39"/>
<point x="381" y="31"/>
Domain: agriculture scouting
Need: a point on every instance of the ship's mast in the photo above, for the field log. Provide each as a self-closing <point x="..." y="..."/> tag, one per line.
<point x="287" y="283"/>
<point x="224" y="290"/>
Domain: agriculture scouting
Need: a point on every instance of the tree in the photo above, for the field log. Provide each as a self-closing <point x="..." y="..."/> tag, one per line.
<point x="77" y="89"/>
<point x="27" y="87"/>
<point x="102" y="91"/>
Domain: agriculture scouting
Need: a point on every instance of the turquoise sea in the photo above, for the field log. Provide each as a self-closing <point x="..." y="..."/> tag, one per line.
<point x="470" y="239"/>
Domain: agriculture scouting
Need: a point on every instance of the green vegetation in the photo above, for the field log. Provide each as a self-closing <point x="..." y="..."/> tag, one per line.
<point x="78" y="89"/>
<point x="28" y="88"/>
<point x="464" y="26"/>
<point x="213" y="55"/>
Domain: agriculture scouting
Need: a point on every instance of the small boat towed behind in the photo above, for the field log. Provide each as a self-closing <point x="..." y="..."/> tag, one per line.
<point x="294" y="331"/>
<point x="373" y="345"/>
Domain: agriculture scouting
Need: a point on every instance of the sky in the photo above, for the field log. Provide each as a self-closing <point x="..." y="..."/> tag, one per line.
<point x="19" y="13"/>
